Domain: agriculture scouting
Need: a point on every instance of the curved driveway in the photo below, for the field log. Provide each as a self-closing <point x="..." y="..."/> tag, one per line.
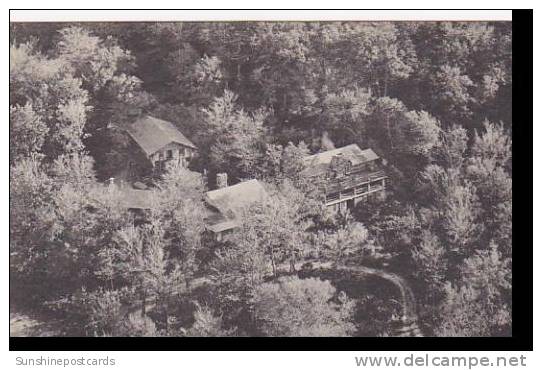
<point x="409" y="315"/>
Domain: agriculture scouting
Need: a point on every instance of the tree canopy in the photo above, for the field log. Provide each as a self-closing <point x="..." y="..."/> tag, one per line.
<point x="432" y="99"/>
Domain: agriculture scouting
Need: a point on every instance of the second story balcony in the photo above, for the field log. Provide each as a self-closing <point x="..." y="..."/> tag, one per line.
<point x="355" y="182"/>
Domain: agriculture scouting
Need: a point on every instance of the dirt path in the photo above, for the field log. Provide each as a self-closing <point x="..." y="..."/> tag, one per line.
<point x="408" y="324"/>
<point x="23" y="325"/>
<point x="409" y="303"/>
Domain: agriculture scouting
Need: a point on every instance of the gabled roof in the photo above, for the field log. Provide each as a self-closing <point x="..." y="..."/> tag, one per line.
<point x="230" y="203"/>
<point x="152" y="134"/>
<point x="319" y="163"/>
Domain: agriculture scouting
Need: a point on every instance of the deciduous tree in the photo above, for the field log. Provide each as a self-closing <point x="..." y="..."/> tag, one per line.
<point x="292" y="307"/>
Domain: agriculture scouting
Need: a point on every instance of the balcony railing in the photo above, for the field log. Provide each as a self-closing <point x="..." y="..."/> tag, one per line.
<point x="337" y="198"/>
<point x="354" y="181"/>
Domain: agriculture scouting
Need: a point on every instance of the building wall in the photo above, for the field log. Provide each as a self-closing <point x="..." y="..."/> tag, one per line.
<point x="172" y="152"/>
<point x="135" y="164"/>
<point x="349" y="198"/>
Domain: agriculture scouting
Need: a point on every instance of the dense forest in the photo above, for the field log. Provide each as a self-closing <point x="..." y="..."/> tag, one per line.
<point x="431" y="98"/>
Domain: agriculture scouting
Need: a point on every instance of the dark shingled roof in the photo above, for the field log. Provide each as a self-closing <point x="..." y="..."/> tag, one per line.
<point x="319" y="163"/>
<point x="230" y="202"/>
<point x="152" y="134"/>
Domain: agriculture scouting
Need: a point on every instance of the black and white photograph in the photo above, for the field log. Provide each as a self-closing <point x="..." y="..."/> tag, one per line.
<point x="260" y="179"/>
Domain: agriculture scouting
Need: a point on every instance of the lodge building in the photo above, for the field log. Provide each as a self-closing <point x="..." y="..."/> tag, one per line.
<point x="159" y="141"/>
<point x="226" y="205"/>
<point x="348" y="175"/>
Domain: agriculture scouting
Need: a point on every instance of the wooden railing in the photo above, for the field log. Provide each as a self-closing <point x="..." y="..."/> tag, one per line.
<point x="353" y="181"/>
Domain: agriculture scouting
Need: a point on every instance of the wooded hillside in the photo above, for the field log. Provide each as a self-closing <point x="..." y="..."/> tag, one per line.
<point x="431" y="98"/>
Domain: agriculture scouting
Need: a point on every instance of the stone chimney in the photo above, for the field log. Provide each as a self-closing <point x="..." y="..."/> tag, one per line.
<point x="339" y="165"/>
<point x="222" y="180"/>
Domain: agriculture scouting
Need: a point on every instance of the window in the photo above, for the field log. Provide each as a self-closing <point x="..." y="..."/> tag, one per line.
<point x="169" y="154"/>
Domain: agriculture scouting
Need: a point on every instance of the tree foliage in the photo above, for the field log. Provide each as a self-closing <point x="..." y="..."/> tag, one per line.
<point x="432" y="99"/>
<point x="293" y="307"/>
